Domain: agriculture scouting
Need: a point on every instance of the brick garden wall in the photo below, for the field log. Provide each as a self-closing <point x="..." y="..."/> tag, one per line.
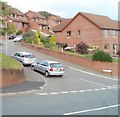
<point x="84" y="62"/>
<point x="11" y="77"/>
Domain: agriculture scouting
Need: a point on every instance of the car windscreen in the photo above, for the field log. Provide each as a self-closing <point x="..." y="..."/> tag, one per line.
<point x="55" y="65"/>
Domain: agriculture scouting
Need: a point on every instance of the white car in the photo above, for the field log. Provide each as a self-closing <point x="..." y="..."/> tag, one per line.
<point x="49" y="68"/>
<point x="25" y="58"/>
<point x="18" y="38"/>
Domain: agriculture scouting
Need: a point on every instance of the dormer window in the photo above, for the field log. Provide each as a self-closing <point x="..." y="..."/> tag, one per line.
<point x="14" y="15"/>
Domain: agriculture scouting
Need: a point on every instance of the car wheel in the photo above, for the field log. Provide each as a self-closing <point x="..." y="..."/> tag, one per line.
<point x="32" y="68"/>
<point x="60" y="75"/>
<point x="46" y="74"/>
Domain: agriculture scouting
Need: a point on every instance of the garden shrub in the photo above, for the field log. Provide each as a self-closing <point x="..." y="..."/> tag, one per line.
<point x="29" y="37"/>
<point x="102" y="56"/>
<point x="19" y="32"/>
<point x="52" y="39"/>
<point x="82" y="48"/>
<point x="51" y="46"/>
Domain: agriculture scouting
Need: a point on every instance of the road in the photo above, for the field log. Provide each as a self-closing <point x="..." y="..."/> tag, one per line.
<point x="80" y="91"/>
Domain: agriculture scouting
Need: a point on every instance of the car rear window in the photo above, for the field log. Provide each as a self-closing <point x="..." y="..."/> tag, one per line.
<point x="55" y="65"/>
<point x="29" y="56"/>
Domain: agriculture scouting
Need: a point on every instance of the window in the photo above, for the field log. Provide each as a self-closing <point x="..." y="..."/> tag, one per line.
<point x="106" y="32"/>
<point x="68" y="33"/>
<point x="106" y="46"/>
<point x="114" y="33"/>
<point x="79" y="33"/>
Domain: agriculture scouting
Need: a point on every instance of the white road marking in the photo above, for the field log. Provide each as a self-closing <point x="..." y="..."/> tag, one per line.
<point x="73" y="91"/>
<point x="42" y="93"/>
<point x="78" y="91"/>
<point x="64" y="92"/>
<point x="89" y="90"/>
<point x="103" y="88"/>
<point x="94" y="109"/>
<point x="96" y="89"/>
<point x="93" y="82"/>
<point x="54" y="93"/>
<point x="92" y="74"/>
<point x="81" y="90"/>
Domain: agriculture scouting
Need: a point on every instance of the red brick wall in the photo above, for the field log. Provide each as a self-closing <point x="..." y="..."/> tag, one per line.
<point x="90" y="33"/>
<point x="84" y="62"/>
<point x="11" y="77"/>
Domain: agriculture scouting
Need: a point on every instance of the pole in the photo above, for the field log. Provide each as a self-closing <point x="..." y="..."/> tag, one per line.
<point x="6" y="37"/>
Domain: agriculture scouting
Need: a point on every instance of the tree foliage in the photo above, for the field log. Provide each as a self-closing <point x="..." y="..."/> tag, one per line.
<point x="5" y="11"/>
<point x="11" y="28"/>
<point x="38" y="38"/>
<point x="45" y="14"/>
<point x="52" y="39"/>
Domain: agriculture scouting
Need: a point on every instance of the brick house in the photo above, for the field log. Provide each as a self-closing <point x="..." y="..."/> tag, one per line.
<point x="54" y="20"/>
<point x="19" y="19"/>
<point x="36" y="20"/>
<point x="92" y="29"/>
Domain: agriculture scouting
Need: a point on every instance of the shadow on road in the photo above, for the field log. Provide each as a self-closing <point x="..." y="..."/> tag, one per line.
<point x="25" y="86"/>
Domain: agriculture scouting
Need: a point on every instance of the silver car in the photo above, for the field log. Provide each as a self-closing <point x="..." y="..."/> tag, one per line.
<point x="18" y="38"/>
<point x="49" y="68"/>
<point x="25" y="58"/>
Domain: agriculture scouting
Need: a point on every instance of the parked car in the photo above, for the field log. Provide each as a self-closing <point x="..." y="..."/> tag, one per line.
<point x="18" y="38"/>
<point x="25" y="58"/>
<point x="11" y="36"/>
<point x="49" y="68"/>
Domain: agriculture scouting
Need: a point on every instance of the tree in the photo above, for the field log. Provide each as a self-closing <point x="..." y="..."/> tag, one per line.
<point x="5" y="11"/>
<point x="45" y="14"/>
<point x="37" y="38"/>
<point x="11" y="28"/>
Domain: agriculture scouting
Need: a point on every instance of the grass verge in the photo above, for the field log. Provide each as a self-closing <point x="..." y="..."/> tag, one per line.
<point x="8" y="62"/>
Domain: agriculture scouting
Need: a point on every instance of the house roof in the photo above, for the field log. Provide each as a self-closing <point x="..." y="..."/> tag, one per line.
<point x="35" y="15"/>
<point x="18" y="20"/>
<point x="61" y="26"/>
<point x="17" y="12"/>
<point x="103" y="22"/>
<point x="55" y="17"/>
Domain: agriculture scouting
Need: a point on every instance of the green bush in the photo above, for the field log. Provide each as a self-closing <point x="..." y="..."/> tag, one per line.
<point x="29" y="37"/>
<point x="19" y="32"/>
<point x="102" y="56"/>
<point x="51" y="46"/>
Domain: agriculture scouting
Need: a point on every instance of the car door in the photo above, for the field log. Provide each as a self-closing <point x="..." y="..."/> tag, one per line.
<point x="16" y="56"/>
<point x="37" y="66"/>
<point x="43" y="66"/>
<point x="20" y="57"/>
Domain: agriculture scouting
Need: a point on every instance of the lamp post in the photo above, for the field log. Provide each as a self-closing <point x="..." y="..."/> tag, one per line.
<point x="6" y="25"/>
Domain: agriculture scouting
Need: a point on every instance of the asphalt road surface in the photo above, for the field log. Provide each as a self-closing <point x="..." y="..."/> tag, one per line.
<point x="80" y="91"/>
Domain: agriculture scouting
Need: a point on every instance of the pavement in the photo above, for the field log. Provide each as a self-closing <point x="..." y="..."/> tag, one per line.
<point x="23" y="88"/>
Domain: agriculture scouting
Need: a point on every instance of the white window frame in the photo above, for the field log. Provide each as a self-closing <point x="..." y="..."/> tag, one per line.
<point x="105" y="33"/>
